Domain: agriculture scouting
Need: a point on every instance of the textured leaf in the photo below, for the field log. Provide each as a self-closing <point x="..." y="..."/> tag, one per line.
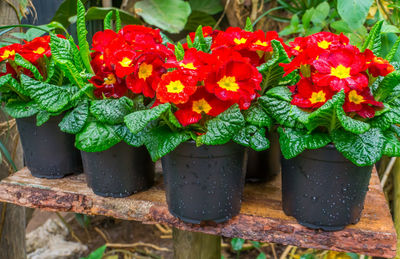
<point x="354" y="12"/>
<point x="374" y="39"/>
<point x="256" y="116"/>
<point x="18" y="109"/>
<point x="197" y="18"/>
<point x="326" y="114"/>
<point x="199" y="42"/>
<point x="389" y="88"/>
<point x="42" y="117"/>
<point x="54" y="74"/>
<point x="138" y="120"/>
<point x="99" y="13"/>
<point x="20" y="61"/>
<point x="131" y="139"/>
<point x="179" y="52"/>
<point x="117" y="21"/>
<point x="162" y="140"/>
<point x="169" y="15"/>
<point x="280" y="92"/>
<point x="108" y="21"/>
<point x="385" y="120"/>
<point x="111" y="111"/>
<point x="76" y="55"/>
<point x="82" y="34"/>
<point x="282" y="111"/>
<point x="174" y="121"/>
<point x="249" y="25"/>
<point x="223" y="127"/>
<point x="96" y="137"/>
<point x="7" y="81"/>
<point x="75" y="120"/>
<point x="293" y="142"/>
<point x="348" y="123"/>
<point x="392" y="144"/>
<point x="392" y="53"/>
<point x="259" y="141"/>
<point x="361" y="149"/>
<point x="52" y="98"/>
<point x="237" y="243"/>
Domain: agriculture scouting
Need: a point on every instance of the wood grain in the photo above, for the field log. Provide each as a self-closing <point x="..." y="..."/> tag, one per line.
<point x="261" y="217"/>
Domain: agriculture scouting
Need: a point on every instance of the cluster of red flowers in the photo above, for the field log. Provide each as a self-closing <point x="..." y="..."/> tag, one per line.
<point x="329" y="64"/>
<point x="33" y="51"/>
<point x="201" y="84"/>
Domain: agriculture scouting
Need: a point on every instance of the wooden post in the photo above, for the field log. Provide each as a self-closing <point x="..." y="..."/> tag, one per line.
<point x="396" y="202"/>
<point x="195" y="245"/>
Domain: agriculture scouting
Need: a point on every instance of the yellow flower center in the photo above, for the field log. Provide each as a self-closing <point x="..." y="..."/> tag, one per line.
<point x="7" y="53"/>
<point x="125" y="62"/>
<point x="297" y="47"/>
<point x="110" y="79"/>
<point x="39" y="51"/>
<point x="340" y="72"/>
<point x="101" y="57"/>
<point x="175" y="87"/>
<point x="145" y="70"/>
<point x="261" y="43"/>
<point x="355" y="98"/>
<point x="201" y="106"/>
<point x="240" y="41"/>
<point x="324" y="44"/>
<point x="188" y="66"/>
<point x="317" y="97"/>
<point x="228" y="83"/>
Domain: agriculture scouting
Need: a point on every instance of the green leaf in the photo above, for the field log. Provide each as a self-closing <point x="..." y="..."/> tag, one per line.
<point x="111" y="111"/>
<point x="374" y="39"/>
<point x="179" y="52"/>
<point x="237" y="243"/>
<point x="82" y="40"/>
<point x="161" y="140"/>
<point x="42" y="117"/>
<point x="108" y="21"/>
<point x="52" y="98"/>
<point x="361" y="149"/>
<point x="261" y="256"/>
<point x="64" y="12"/>
<point x="249" y="25"/>
<point x="385" y="120"/>
<point x="293" y="142"/>
<point x="76" y="54"/>
<point x="348" y="123"/>
<point x="256" y="116"/>
<point x="135" y="140"/>
<point x="96" y="137"/>
<point x="259" y="141"/>
<point x="8" y="82"/>
<point x="200" y="43"/>
<point x="326" y="114"/>
<point x="389" y="88"/>
<point x="321" y="13"/>
<point x="392" y="144"/>
<point x="138" y="120"/>
<point x="172" y="118"/>
<point x="20" y="61"/>
<point x="252" y="136"/>
<point x="206" y="6"/>
<point x="223" y="127"/>
<point x="280" y="92"/>
<point x="197" y="18"/>
<point x="117" y="21"/>
<point x="189" y="41"/>
<point x="98" y="253"/>
<point x="169" y="15"/>
<point x="74" y="121"/>
<point x="389" y="57"/>
<point x="354" y="12"/>
<point x="19" y="109"/>
<point x="99" y="13"/>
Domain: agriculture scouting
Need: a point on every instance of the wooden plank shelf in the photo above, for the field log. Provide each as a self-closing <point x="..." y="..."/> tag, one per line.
<point x="261" y="217"/>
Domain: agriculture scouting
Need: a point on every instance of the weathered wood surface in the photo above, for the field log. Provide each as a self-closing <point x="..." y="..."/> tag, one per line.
<point x="261" y="217"/>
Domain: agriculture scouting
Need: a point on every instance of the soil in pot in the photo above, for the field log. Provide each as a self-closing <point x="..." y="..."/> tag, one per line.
<point x="48" y="152"/>
<point x="119" y="171"/>
<point x="204" y="183"/>
<point x="324" y="190"/>
<point x="264" y="165"/>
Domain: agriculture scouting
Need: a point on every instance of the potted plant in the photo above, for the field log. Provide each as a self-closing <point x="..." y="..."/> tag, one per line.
<point x="114" y="161"/>
<point x="205" y="114"/>
<point x="33" y="86"/>
<point x="335" y="123"/>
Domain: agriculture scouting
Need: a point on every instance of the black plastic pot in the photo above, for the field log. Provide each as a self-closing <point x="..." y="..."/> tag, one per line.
<point x="324" y="190"/>
<point x="204" y="183"/>
<point x="119" y="171"/>
<point x="48" y="152"/>
<point x="265" y="165"/>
